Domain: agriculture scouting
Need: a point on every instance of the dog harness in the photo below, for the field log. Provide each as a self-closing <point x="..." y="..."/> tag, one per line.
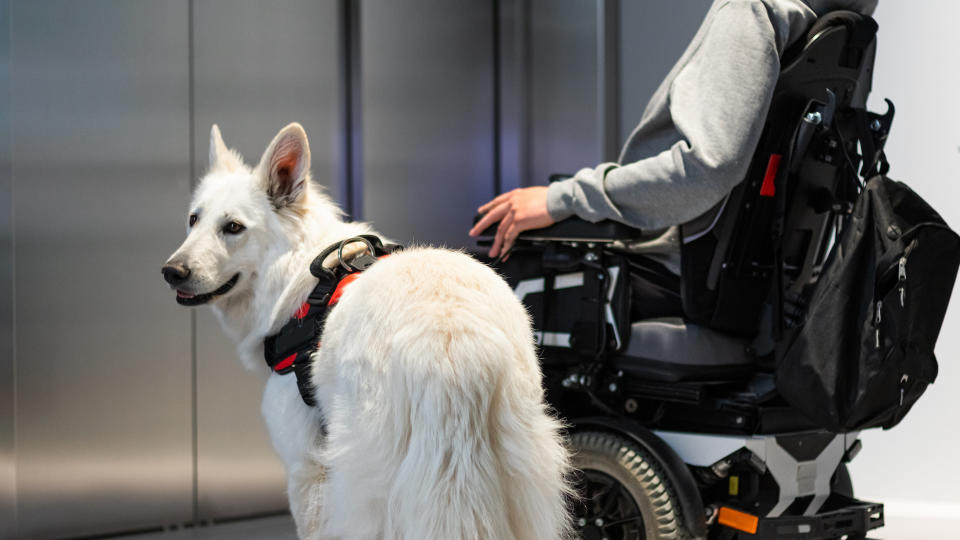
<point x="290" y="348"/>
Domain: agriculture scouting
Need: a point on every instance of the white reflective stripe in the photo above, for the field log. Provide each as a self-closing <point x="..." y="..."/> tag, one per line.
<point x="569" y="281"/>
<point x="614" y="274"/>
<point x="702" y="450"/>
<point x="528" y="286"/>
<point x="566" y="281"/>
<point x="553" y="339"/>
<point x="535" y="285"/>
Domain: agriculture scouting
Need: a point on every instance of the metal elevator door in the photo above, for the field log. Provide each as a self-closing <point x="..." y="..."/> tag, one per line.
<point x="120" y="410"/>
<point x="99" y="122"/>
<point x="427" y="106"/>
<point x="257" y="67"/>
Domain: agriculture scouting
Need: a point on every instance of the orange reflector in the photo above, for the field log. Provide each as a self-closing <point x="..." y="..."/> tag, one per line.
<point x="736" y="519"/>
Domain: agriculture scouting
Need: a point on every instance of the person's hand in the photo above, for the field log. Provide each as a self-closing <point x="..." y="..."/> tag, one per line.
<point x="518" y="210"/>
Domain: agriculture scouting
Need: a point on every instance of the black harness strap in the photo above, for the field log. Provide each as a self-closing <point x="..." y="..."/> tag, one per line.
<point x="290" y="348"/>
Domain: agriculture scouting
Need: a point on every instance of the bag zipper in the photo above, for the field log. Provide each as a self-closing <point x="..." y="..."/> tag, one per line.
<point x="876" y="322"/>
<point x="902" y="272"/>
<point x="901" y="286"/>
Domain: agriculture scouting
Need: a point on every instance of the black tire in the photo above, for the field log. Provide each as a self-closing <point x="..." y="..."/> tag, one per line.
<point x="624" y="493"/>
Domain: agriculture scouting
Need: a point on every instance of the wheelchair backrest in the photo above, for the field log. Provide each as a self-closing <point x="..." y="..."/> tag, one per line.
<point x="769" y="237"/>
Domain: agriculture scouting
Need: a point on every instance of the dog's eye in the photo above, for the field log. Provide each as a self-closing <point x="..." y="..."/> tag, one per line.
<point x="233" y="227"/>
<point x="193" y="219"/>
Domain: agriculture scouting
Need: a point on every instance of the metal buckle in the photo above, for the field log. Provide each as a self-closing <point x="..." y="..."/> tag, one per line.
<point x="351" y="266"/>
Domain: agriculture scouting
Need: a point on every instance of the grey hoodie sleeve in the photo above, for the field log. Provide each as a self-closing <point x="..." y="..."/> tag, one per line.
<point x="718" y="103"/>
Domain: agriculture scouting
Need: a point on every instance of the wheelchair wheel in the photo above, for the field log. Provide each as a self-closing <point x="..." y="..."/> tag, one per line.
<point x="624" y="493"/>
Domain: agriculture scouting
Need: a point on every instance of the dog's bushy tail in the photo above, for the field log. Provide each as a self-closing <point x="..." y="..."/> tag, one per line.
<point x="535" y="462"/>
<point x="446" y="413"/>
<point x="482" y="459"/>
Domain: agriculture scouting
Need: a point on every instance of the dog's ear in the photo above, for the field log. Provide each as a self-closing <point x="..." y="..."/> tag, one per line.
<point x="285" y="165"/>
<point x="221" y="157"/>
<point x="218" y="150"/>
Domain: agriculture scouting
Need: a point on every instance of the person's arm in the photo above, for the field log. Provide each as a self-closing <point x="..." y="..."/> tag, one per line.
<point x="718" y="102"/>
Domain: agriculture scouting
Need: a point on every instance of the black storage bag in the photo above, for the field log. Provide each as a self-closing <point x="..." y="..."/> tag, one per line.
<point x="575" y="311"/>
<point x="864" y="353"/>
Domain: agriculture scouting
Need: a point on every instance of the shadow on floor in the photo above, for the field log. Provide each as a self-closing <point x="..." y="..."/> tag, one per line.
<point x="269" y="528"/>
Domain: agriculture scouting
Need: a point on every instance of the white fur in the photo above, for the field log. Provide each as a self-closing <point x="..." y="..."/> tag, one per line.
<point x="427" y="375"/>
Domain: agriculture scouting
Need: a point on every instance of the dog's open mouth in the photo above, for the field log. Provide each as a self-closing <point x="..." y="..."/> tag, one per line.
<point x="187" y="299"/>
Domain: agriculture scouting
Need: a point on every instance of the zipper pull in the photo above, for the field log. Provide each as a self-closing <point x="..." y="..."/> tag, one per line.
<point x="902" y="278"/>
<point x="876" y="322"/>
<point x="903" y="382"/>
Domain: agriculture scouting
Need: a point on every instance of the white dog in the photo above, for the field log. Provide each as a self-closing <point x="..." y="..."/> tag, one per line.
<point x="427" y="380"/>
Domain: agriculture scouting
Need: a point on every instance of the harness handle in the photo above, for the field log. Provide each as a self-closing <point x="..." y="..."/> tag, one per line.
<point x="349" y="267"/>
<point x="374" y="244"/>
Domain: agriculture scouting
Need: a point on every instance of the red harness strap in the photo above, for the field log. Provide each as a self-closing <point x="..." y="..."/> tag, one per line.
<point x="285" y="363"/>
<point x="338" y="292"/>
<point x="289" y="349"/>
<point x="335" y="297"/>
<point x="305" y="309"/>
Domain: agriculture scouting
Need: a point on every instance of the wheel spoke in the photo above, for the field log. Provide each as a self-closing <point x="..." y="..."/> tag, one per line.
<point x="601" y="496"/>
<point x="636" y="518"/>
<point x="611" y="497"/>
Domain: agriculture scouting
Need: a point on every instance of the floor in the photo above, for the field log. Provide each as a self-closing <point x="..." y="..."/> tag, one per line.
<point x="269" y="528"/>
<point x="281" y="528"/>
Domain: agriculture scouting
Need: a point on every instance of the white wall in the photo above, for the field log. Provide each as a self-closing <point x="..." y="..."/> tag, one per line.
<point x="913" y="467"/>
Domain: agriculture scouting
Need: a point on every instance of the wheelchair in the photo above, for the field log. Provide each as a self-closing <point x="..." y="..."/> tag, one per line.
<point x="676" y="423"/>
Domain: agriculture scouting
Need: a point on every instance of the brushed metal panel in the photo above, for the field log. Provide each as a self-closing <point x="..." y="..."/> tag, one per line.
<point x="513" y="67"/>
<point x="8" y="509"/>
<point x="100" y="125"/>
<point x="257" y="66"/>
<point x="261" y="65"/>
<point x="427" y="100"/>
<point x="653" y="35"/>
<point x="565" y="106"/>
<point x="608" y="79"/>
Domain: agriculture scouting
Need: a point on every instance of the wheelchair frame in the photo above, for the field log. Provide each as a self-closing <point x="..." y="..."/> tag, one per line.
<point x="738" y="461"/>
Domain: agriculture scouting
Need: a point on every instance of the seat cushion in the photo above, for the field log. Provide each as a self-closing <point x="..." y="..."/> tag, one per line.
<point x="670" y="349"/>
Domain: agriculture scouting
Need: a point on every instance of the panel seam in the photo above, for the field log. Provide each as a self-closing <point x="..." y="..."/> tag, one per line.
<point x="497" y="139"/>
<point x="192" y="139"/>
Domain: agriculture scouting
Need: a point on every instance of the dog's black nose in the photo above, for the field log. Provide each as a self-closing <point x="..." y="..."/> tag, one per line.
<point x="175" y="274"/>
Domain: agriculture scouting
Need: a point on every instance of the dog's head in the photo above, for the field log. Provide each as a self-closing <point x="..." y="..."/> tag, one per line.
<point x="235" y="218"/>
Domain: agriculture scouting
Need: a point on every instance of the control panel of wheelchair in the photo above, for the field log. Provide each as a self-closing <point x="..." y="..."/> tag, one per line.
<point x="569" y="230"/>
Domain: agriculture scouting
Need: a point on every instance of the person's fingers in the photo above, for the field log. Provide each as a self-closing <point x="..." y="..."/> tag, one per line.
<point x="511" y="236"/>
<point x="505" y="223"/>
<point x="489" y="218"/>
<point x="496" y="200"/>
<point x="498" y="238"/>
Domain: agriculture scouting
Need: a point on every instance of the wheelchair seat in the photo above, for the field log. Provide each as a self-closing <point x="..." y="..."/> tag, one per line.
<point x="669" y="349"/>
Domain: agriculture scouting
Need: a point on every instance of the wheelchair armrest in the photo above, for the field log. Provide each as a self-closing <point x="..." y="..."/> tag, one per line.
<point x="573" y="229"/>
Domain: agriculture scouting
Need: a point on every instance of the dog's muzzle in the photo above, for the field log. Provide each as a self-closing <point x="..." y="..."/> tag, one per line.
<point x="187" y="299"/>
